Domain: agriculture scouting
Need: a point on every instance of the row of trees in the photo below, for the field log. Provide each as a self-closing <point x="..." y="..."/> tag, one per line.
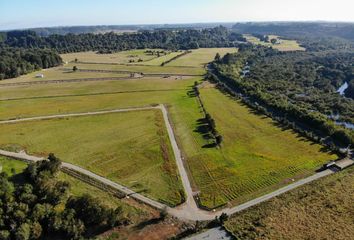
<point x="208" y="119"/>
<point x="41" y="207"/>
<point x="299" y="88"/>
<point x="17" y="61"/>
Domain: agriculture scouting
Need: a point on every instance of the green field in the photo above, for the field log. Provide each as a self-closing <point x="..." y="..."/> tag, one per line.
<point x="198" y="58"/>
<point x="284" y="44"/>
<point x="59" y="73"/>
<point x="11" y="166"/>
<point x="131" y="148"/>
<point x="123" y="57"/>
<point x="320" y="210"/>
<point x="257" y="156"/>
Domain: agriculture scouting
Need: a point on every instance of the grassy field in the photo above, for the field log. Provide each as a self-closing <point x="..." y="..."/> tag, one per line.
<point x="200" y="57"/>
<point x="284" y="45"/>
<point x="131" y="148"/>
<point x="142" y="68"/>
<point x="256" y="157"/>
<point x="119" y="57"/>
<point x="321" y="210"/>
<point x="59" y="74"/>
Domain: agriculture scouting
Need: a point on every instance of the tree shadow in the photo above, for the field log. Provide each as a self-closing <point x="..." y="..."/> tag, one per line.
<point x="203" y="128"/>
<point x="149" y="222"/>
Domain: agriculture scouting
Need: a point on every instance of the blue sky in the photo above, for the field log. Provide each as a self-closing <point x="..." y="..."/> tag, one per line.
<point x="40" y="13"/>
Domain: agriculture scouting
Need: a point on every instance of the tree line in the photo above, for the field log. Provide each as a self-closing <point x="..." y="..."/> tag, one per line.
<point x="18" y="61"/>
<point x="211" y="126"/>
<point x="41" y="207"/>
<point x="183" y="39"/>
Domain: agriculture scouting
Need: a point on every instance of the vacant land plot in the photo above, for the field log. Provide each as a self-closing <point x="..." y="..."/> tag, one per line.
<point x="60" y="74"/>
<point x="130" y="56"/>
<point x="200" y="57"/>
<point x="131" y="148"/>
<point x="282" y="45"/>
<point x="256" y="156"/>
<point x="321" y="210"/>
<point x="142" y="68"/>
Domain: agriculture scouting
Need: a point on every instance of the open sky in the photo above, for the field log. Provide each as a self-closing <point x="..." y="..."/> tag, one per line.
<point x="43" y="13"/>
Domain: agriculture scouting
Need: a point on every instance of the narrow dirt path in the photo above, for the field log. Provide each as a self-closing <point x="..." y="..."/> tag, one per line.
<point x="187" y="211"/>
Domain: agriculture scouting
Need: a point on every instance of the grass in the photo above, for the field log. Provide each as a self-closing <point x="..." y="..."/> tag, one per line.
<point x="10" y="166"/>
<point x="320" y="210"/>
<point x="284" y="45"/>
<point x="119" y="57"/>
<point x="59" y="74"/>
<point x="78" y="188"/>
<point x="198" y="58"/>
<point x="142" y="68"/>
<point x="130" y="148"/>
<point x="257" y="156"/>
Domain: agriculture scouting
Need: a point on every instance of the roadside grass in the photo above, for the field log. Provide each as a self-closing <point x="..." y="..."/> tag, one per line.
<point x="285" y="45"/>
<point x="320" y="210"/>
<point x="199" y="57"/>
<point x="130" y="148"/>
<point x="78" y="188"/>
<point x="257" y="156"/>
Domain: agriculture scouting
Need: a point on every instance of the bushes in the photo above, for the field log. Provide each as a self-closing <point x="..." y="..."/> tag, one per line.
<point x="39" y="208"/>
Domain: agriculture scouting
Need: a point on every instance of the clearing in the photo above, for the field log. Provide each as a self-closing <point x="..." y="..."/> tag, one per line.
<point x="282" y="44"/>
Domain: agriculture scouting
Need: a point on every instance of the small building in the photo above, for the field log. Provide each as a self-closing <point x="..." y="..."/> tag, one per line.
<point x="339" y="165"/>
<point x="39" y="75"/>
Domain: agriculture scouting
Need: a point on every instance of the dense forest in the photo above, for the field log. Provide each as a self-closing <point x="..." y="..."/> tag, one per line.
<point x="17" y="61"/>
<point x="40" y="207"/>
<point x="314" y="36"/>
<point x="111" y="42"/>
<point x="296" y="87"/>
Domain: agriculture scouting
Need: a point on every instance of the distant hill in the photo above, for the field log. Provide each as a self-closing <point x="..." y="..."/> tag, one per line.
<point x="63" y="30"/>
<point x="296" y="29"/>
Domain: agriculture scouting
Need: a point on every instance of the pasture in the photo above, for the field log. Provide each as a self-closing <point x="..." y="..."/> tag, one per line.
<point x="131" y="148"/>
<point x="198" y="58"/>
<point x="124" y="57"/>
<point x="284" y="45"/>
